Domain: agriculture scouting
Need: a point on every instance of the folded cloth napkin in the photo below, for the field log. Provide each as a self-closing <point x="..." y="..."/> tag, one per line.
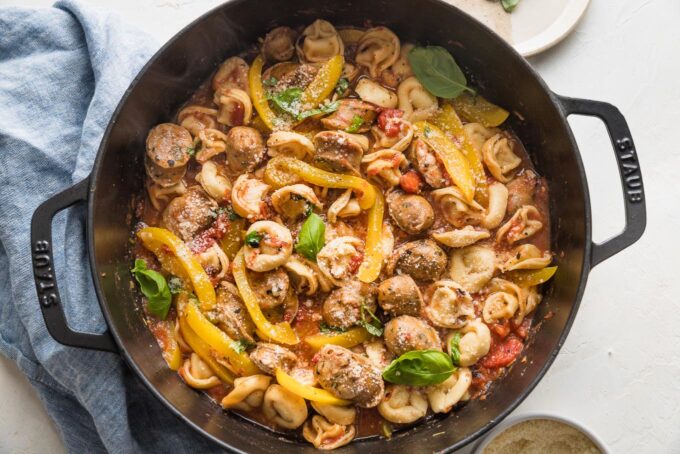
<point x="62" y="72"/>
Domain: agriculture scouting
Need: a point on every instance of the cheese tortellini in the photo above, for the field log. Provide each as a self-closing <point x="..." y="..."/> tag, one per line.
<point x="291" y="144"/>
<point x="247" y="197"/>
<point x="444" y="396"/>
<point x="235" y="107"/>
<point x="474" y="343"/>
<point x="527" y="257"/>
<point x="461" y="237"/>
<point x="398" y="142"/>
<point x="524" y="223"/>
<point x="449" y="305"/>
<point x="455" y="209"/>
<point x="344" y="206"/>
<point x="274" y="246"/>
<point x="500" y="158"/>
<point x="384" y="167"/>
<point x="306" y="276"/>
<point x="336" y="414"/>
<point x="473" y="266"/>
<point x="319" y="42"/>
<point x="416" y="102"/>
<point x="214" y="182"/>
<point x="284" y="408"/>
<point x="403" y="404"/>
<point x="377" y="50"/>
<point x="248" y="392"/>
<point x="292" y="202"/>
<point x="326" y="435"/>
<point x="337" y="260"/>
<point x="197" y="118"/>
<point x="503" y="301"/>
<point x="197" y="373"/>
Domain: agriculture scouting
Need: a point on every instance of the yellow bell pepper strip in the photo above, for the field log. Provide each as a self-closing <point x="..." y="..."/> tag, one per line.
<point x="348" y="339"/>
<point x="156" y="239"/>
<point x="218" y="340"/>
<point x="257" y="93"/>
<point x="203" y="351"/>
<point x="474" y="108"/>
<point x="307" y="392"/>
<point x="281" y="333"/>
<point x="325" y="81"/>
<point x="529" y="278"/>
<point x="448" y="121"/>
<point x="373" y="252"/>
<point x="171" y="352"/>
<point x="455" y="162"/>
<point x="232" y="241"/>
<point x="282" y="170"/>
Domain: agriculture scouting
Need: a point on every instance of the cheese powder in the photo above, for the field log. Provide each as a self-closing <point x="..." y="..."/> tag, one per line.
<point x="539" y="436"/>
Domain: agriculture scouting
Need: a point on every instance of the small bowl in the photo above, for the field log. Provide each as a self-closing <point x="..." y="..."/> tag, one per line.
<point x="513" y="420"/>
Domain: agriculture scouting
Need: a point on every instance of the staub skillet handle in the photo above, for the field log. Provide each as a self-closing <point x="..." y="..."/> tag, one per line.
<point x="44" y="274"/>
<point x="629" y="170"/>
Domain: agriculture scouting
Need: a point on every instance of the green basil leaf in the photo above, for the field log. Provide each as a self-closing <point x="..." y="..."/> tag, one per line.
<point x="175" y="285"/>
<point x="439" y="73"/>
<point x="509" y="5"/>
<point x="454" y="349"/>
<point x="311" y="237"/>
<point x="342" y="86"/>
<point x="253" y="238"/>
<point x="270" y="82"/>
<point x="154" y="287"/>
<point x="324" y="109"/>
<point x="325" y="328"/>
<point x="241" y="345"/>
<point x="356" y="124"/>
<point x="370" y="323"/>
<point x="288" y="100"/>
<point x="419" y="368"/>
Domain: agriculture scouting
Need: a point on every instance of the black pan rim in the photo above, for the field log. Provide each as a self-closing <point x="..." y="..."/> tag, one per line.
<point x="585" y="266"/>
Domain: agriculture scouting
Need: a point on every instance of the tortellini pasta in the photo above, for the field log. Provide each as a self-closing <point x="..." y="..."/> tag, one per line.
<point x="527" y="257"/>
<point x="284" y="408"/>
<point x="247" y="197"/>
<point x="214" y="261"/>
<point x="248" y="392"/>
<point x="444" y="396"/>
<point x="455" y="209"/>
<point x="384" y="167"/>
<point x="213" y="142"/>
<point x="233" y="73"/>
<point x="378" y="353"/>
<point x="275" y="245"/>
<point x="500" y="158"/>
<point x="498" y="205"/>
<point x="197" y="118"/>
<point x="293" y="202"/>
<point x="344" y="206"/>
<point x="325" y="435"/>
<point x="197" y="374"/>
<point x="461" y="237"/>
<point x="279" y="44"/>
<point x="371" y="91"/>
<point x="503" y="301"/>
<point x="474" y="343"/>
<point x="524" y="223"/>
<point x="399" y="142"/>
<point x="337" y="414"/>
<point x="159" y="195"/>
<point x="319" y="42"/>
<point x="472" y="266"/>
<point x="416" y="102"/>
<point x="290" y="144"/>
<point x="377" y="50"/>
<point x="306" y="276"/>
<point x="214" y="182"/>
<point x="401" y="69"/>
<point x="338" y="261"/>
<point x="403" y="404"/>
<point x="235" y="107"/>
<point x="449" y="305"/>
<point x="478" y="134"/>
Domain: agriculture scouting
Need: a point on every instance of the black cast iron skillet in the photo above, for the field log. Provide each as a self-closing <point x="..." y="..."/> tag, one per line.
<point x="177" y="70"/>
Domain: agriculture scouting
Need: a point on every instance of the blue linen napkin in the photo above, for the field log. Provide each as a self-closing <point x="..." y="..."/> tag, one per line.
<point x="62" y="72"/>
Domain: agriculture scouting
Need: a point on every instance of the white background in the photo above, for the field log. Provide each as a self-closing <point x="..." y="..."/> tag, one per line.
<point x="619" y="371"/>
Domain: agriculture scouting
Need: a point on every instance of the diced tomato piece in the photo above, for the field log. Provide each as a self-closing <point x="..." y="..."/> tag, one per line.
<point x="386" y="123"/>
<point x="502" y="353"/>
<point x="411" y="182"/>
<point x="501" y="329"/>
<point x="522" y="329"/>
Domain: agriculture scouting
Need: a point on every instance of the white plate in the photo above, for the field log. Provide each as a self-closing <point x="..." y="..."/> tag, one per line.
<point x="538" y="25"/>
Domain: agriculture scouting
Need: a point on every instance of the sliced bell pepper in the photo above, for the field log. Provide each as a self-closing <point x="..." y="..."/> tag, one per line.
<point x="218" y="340"/>
<point x="475" y="108"/>
<point x="307" y="392"/>
<point x="280" y="332"/>
<point x="348" y="339"/>
<point x="203" y="351"/>
<point x="257" y="93"/>
<point x="281" y="171"/>
<point x="159" y="240"/>
<point x="325" y="81"/>
<point x="171" y="352"/>
<point x="373" y="252"/>
<point x="449" y="122"/>
<point x="455" y="162"/>
<point x="529" y="278"/>
<point x="232" y="241"/>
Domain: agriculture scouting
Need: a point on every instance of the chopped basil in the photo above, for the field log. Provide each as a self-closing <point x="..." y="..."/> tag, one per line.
<point x="270" y="82"/>
<point x="420" y="368"/>
<point x="370" y="323"/>
<point x="253" y="238"/>
<point x="288" y="100"/>
<point x="342" y="86"/>
<point x="325" y="328"/>
<point x="356" y="124"/>
<point x="439" y="73"/>
<point x="311" y="237"/>
<point x="175" y="285"/>
<point x="241" y="345"/>
<point x="324" y="109"/>
<point x="154" y="287"/>
<point x="509" y="5"/>
<point x="454" y="349"/>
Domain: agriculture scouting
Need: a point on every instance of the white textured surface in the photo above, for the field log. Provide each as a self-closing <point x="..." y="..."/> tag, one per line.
<point x="619" y="370"/>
